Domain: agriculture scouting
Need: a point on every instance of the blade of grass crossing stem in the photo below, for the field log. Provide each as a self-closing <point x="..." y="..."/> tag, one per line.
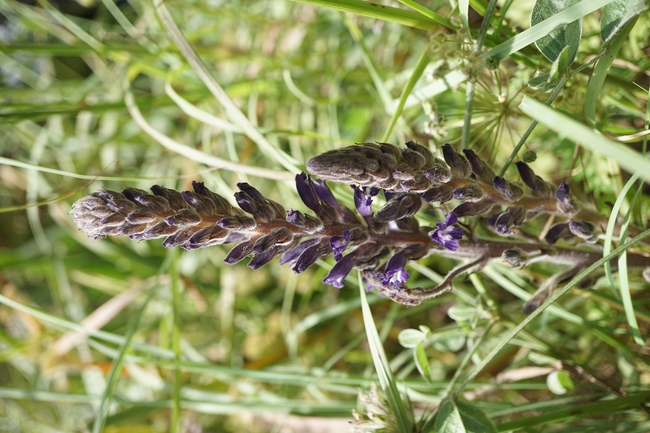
<point x="385" y="13"/>
<point x="195" y="112"/>
<point x="562" y="124"/>
<point x="580" y="410"/>
<point x="551" y="299"/>
<point x="623" y="278"/>
<point x="190" y="152"/>
<point x="384" y="373"/>
<point x="609" y="233"/>
<point x="174" y="283"/>
<point x="532" y="126"/>
<point x="428" y="13"/>
<point x="542" y="29"/>
<point x="233" y="111"/>
<point x="600" y="73"/>
<point x="415" y="77"/>
<point x="118" y="362"/>
<point x="463" y="8"/>
<point x="366" y="54"/>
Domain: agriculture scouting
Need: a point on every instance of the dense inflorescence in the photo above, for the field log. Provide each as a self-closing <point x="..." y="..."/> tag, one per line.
<point x="378" y="242"/>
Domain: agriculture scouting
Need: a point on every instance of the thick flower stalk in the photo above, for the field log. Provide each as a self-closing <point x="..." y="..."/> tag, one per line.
<point x="379" y="242"/>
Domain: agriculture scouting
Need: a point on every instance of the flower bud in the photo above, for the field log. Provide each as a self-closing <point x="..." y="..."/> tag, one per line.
<point x="398" y="207"/>
<point x="539" y="188"/>
<point x="438" y="194"/>
<point x="471" y="193"/>
<point x="482" y="171"/>
<point x="458" y="164"/>
<point x="508" y="190"/>
<point x="584" y="230"/>
<point x="514" y="257"/>
<point x="565" y="201"/>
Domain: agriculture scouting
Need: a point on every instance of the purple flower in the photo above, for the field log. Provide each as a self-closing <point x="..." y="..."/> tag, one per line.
<point x="363" y="200"/>
<point x="293" y="254"/>
<point x="340" y="270"/>
<point x="339" y="244"/>
<point x="395" y="274"/>
<point x="307" y="193"/>
<point x="446" y="234"/>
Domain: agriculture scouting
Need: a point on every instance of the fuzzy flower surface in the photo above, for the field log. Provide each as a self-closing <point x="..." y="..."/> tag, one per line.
<point x="446" y="234"/>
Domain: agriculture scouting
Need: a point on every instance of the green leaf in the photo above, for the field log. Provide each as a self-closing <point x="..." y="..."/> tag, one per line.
<point x="547" y="82"/>
<point x="559" y="382"/>
<point x="569" y="35"/>
<point x="422" y="362"/>
<point x="542" y="83"/>
<point x="627" y="158"/>
<point x="461" y="313"/>
<point x="462" y="417"/>
<point x="450" y="341"/>
<point x="410" y="338"/>
<point x="617" y="14"/>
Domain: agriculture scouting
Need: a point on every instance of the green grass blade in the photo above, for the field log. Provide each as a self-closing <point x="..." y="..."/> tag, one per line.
<point x="117" y="364"/>
<point x="596" y="409"/>
<point x="611" y="225"/>
<point x="380" y="361"/>
<point x="551" y="299"/>
<point x="623" y="279"/>
<point x="562" y="124"/>
<point x="219" y="93"/>
<point x="195" y="154"/>
<point x="423" y="61"/>
<point x="600" y="73"/>
<point x="176" y="338"/>
<point x="381" y="12"/>
<point x="428" y="13"/>
<point x="542" y="29"/>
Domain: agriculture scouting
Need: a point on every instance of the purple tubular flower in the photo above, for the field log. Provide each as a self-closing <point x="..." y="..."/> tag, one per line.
<point x="340" y="270"/>
<point x="323" y="192"/>
<point x="557" y="232"/>
<point x="363" y="201"/>
<point x="307" y="193"/>
<point x="339" y="244"/>
<point x="446" y="234"/>
<point x="395" y="273"/>
<point x="309" y="257"/>
<point x="293" y="254"/>
<point x="262" y="258"/>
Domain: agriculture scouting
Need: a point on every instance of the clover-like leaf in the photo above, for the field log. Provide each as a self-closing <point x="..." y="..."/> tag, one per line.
<point x="552" y="44"/>
<point x="617" y="14"/>
<point x="458" y="416"/>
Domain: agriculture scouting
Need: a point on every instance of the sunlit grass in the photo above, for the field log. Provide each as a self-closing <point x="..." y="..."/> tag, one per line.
<point x="123" y="336"/>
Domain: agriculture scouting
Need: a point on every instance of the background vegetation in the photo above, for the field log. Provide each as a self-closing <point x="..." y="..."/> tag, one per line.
<point x="123" y="336"/>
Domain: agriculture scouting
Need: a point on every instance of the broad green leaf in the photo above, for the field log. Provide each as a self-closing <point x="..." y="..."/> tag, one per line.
<point x="422" y="362"/>
<point x="559" y="382"/>
<point x="542" y="83"/>
<point x="461" y="313"/>
<point x="547" y="82"/>
<point x="617" y="14"/>
<point x="450" y="341"/>
<point x="462" y="417"/>
<point x="569" y="35"/>
<point x="410" y="338"/>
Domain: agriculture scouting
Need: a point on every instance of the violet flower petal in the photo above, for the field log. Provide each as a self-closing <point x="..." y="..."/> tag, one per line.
<point x="340" y="270"/>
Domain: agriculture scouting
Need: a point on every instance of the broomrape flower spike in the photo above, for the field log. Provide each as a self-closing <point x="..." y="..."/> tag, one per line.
<point x="378" y="243"/>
